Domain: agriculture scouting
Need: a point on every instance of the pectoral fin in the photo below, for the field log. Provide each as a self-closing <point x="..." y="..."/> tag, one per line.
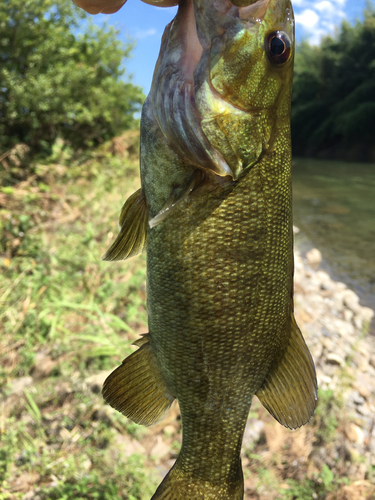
<point x="137" y="389"/>
<point x="133" y="229"/>
<point x="177" y="196"/>
<point x="289" y="392"/>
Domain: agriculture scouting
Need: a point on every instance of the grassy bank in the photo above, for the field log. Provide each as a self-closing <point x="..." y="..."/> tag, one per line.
<point x="67" y="319"/>
<point x="66" y="315"/>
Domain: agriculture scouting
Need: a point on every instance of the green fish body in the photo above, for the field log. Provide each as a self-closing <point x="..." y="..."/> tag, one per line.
<point x="215" y="214"/>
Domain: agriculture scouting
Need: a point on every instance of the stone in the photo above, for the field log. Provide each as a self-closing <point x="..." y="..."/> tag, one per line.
<point x="253" y="432"/>
<point x="19" y="384"/>
<point x="127" y="447"/>
<point x="169" y="430"/>
<point x="43" y="366"/>
<point x="160" y="450"/>
<point x="95" y="382"/>
<point x="335" y="359"/>
<point x="354" y="433"/>
<point x="361" y="362"/>
<point x="25" y="481"/>
<point x="351" y="301"/>
<point x="314" y="257"/>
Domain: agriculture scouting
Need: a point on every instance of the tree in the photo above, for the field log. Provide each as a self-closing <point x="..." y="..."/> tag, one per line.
<point x="57" y="80"/>
<point x="333" y="106"/>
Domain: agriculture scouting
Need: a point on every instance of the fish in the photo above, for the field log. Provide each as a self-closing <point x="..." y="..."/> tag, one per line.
<point x="214" y="214"/>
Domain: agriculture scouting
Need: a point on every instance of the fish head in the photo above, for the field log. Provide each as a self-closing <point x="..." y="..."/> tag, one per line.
<point x="222" y="85"/>
<point x="243" y="81"/>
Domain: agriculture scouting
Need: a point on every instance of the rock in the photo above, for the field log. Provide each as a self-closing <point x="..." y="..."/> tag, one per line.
<point x="364" y="385"/>
<point x="358" y="322"/>
<point x="348" y="315"/>
<point x="351" y="301"/>
<point x="364" y="392"/>
<point x="127" y="447"/>
<point x="95" y="382"/>
<point x="354" y="433"/>
<point x="372" y="361"/>
<point x="335" y="359"/>
<point x="344" y="328"/>
<point x="365" y="411"/>
<point x="160" y="450"/>
<point x="169" y="430"/>
<point x="326" y="282"/>
<point x="25" y="481"/>
<point x="314" y="257"/>
<point x="19" y="384"/>
<point x="253" y="432"/>
<point x="43" y="366"/>
<point x="32" y="495"/>
<point x="361" y="362"/>
<point x="366" y="314"/>
<point x="356" y="398"/>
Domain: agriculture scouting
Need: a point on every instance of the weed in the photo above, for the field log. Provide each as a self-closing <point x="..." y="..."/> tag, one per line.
<point x="326" y="415"/>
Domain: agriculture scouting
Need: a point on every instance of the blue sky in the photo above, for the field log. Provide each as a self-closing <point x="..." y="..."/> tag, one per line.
<point x="146" y="23"/>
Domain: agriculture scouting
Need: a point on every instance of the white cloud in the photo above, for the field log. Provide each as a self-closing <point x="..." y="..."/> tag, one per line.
<point x="325" y="7"/>
<point x="145" y="33"/>
<point x="308" y="19"/>
<point x="318" y="18"/>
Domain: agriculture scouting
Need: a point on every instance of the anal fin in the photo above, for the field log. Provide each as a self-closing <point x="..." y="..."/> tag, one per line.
<point x="133" y="229"/>
<point x="290" y="390"/>
<point x="137" y="389"/>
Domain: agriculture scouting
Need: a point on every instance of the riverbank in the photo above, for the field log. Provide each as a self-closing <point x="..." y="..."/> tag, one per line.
<point x="333" y="206"/>
<point x="335" y="326"/>
<point x="68" y="319"/>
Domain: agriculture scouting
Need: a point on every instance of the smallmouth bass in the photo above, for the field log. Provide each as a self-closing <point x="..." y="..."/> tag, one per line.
<point x="215" y="215"/>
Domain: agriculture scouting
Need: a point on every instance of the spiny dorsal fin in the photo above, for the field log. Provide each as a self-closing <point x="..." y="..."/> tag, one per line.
<point x="290" y="390"/>
<point x="137" y="389"/>
<point x="133" y="233"/>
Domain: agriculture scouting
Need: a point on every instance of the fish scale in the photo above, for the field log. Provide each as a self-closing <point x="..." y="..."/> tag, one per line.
<point x="215" y="215"/>
<point x="210" y="327"/>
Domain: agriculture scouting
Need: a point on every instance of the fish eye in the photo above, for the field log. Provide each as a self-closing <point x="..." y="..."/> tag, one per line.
<point x="278" y="47"/>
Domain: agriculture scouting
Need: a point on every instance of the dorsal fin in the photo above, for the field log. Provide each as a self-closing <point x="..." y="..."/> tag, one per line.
<point x="290" y="390"/>
<point x="133" y="229"/>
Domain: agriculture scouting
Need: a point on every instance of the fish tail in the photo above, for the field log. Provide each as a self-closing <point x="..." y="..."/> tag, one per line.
<point x="179" y="485"/>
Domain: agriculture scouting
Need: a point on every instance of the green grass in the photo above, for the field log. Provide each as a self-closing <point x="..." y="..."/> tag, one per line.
<point x="60" y="302"/>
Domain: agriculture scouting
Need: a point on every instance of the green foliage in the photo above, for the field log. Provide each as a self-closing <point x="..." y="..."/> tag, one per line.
<point x="130" y="477"/>
<point x="333" y="103"/>
<point x="317" y="488"/>
<point x="326" y="414"/>
<point x="60" y="77"/>
<point x="61" y="304"/>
